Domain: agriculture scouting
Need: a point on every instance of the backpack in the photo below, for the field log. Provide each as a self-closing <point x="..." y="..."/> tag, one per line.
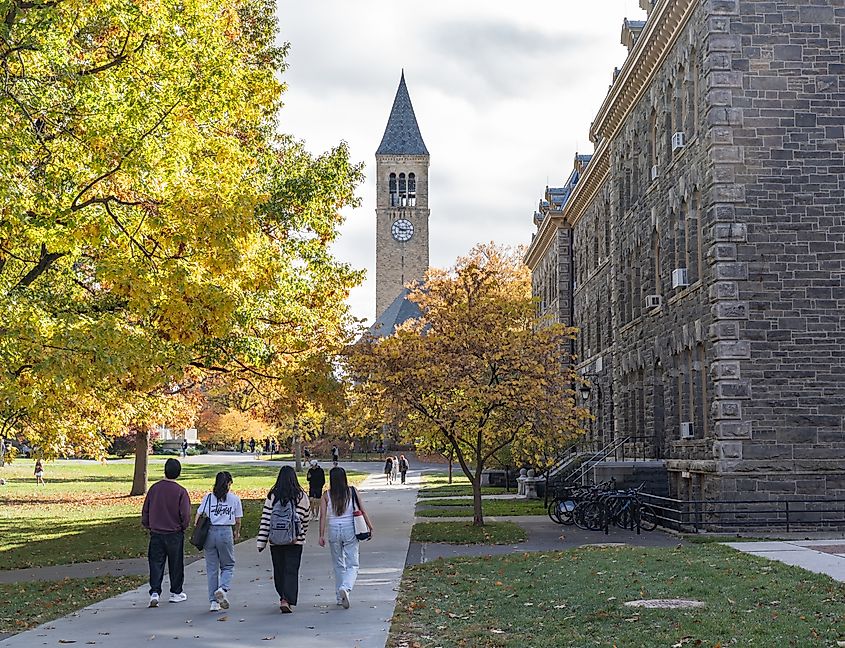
<point x="285" y="525"/>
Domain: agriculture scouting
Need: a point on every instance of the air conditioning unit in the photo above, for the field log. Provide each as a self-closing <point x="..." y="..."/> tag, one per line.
<point x="653" y="301"/>
<point x="679" y="141"/>
<point x="679" y="278"/>
<point x="654" y="173"/>
<point x="686" y="430"/>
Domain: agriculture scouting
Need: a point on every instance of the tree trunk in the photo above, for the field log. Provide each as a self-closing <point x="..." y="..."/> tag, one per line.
<point x="451" y="456"/>
<point x="139" y="479"/>
<point x="478" y="512"/>
<point x="297" y="452"/>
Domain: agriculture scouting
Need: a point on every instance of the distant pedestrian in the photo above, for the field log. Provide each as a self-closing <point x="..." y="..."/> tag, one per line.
<point x="403" y="467"/>
<point x="252" y="445"/>
<point x="266" y="445"/>
<point x="225" y="512"/>
<point x="335" y="455"/>
<point x="272" y="446"/>
<point x="184" y="447"/>
<point x="166" y="514"/>
<point x="307" y="453"/>
<point x="241" y="445"/>
<point x="284" y="524"/>
<point x="2" y="452"/>
<point x="381" y="450"/>
<point x="394" y="470"/>
<point x="388" y="470"/>
<point x="337" y="507"/>
<point x="39" y="472"/>
<point x="316" y="482"/>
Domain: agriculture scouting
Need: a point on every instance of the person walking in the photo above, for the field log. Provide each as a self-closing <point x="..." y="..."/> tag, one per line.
<point x="394" y="470"/>
<point x="335" y="455"/>
<point x="166" y="514"/>
<point x="284" y="525"/>
<point x="39" y="472"/>
<point x="272" y="447"/>
<point x="252" y="445"/>
<point x="184" y="447"/>
<point x="403" y="467"/>
<point x="241" y="445"/>
<point x="2" y="452"/>
<point x="316" y="482"/>
<point x="225" y="512"/>
<point x="337" y="507"/>
<point x="388" y="470"/>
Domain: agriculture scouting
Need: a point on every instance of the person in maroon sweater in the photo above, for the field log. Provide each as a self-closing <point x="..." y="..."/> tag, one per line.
<point x="166" y="515"/>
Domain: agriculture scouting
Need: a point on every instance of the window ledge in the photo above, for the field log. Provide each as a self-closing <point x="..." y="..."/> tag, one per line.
<point x="686" y="291"/>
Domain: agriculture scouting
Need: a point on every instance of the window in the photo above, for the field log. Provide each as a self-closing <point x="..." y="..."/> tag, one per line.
<point x="607" y="230"/>
<point x="655" y="262"/>
<point x="636" y="287"/>
<point x="653" y="139"/>
<point x="403" y="191"/>
<point x="680" y="102"/>
<point x="681" y="239"/>
<point x="392" y="186"/>
<point x="693" y="235"/>
<point x="412" y="190"/>
<point x="700" y="391"/>
<point x="694" y="87"/>
<point x="667" y="121"/>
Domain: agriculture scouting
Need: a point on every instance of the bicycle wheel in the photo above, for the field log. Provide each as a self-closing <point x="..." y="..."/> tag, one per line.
<point x="592" y="516"/>
<point x="553" y="512"/>
<point x="648" y="518"/>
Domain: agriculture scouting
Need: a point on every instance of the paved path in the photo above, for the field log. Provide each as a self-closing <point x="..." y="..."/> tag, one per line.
<point x="819" y="556"/>
<point x="254" y="619"/>
<point x="119" y="567"/>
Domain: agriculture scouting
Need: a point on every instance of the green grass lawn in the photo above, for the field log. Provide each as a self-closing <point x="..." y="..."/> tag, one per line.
<point x="83" y="512"/>
<point x="463" y="508"/>
<point x="461" y="533"/>
<point x="28" y="604"/>
<point x="575" y="599"/>
<point x="437" y="485"/>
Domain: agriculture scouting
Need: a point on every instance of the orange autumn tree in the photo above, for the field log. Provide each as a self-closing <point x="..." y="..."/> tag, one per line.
<point x="478" y="371"/>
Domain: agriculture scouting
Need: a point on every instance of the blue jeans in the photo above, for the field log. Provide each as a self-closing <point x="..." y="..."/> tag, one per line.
<point x="344" y="548"/>
<point x="219" y="558"/>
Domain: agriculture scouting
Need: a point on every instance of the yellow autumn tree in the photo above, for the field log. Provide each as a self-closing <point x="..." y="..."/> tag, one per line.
<point x="477" y="371"/>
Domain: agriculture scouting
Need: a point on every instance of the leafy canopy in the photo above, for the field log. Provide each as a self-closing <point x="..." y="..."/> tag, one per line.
<point x="477" y="371"/>
<point x="153" y="228"/>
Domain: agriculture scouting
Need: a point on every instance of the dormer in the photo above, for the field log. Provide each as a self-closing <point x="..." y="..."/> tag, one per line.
<point x="631" y="30"/>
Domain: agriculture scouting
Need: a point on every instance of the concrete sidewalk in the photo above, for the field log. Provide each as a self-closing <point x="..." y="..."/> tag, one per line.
<point x="254" y="619"/>
<point x="819" y="556"/>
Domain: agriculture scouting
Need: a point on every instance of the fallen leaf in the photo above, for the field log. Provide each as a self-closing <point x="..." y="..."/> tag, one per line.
<point x="270" y="638"/>
<point x="223" y="618"/>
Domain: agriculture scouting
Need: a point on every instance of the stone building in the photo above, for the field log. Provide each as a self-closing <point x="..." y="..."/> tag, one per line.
<point x="701" y="250"/>
<point x="401" y="203"/>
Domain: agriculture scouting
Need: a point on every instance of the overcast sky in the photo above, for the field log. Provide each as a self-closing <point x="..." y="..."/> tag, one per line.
<point x="504" y="93"/>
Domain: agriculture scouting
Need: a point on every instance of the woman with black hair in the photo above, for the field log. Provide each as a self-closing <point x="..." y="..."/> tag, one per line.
<point x="284" y="525"/>
<point x="225" y="511"/>
<point x="337" y="508"/>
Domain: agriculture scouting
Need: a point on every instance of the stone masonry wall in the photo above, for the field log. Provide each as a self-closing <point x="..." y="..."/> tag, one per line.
<point x="778" y="94"/>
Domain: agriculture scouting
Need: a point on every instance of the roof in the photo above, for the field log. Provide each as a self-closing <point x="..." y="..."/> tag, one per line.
<point x="402" y="135"/>
<point x="400" y="311"/>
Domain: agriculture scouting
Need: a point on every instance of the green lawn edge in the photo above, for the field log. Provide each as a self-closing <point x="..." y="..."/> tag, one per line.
<point x="463" y="533"/>
<point x="27" y="604"/>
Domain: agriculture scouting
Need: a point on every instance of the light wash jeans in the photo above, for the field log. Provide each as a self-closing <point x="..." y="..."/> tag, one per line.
<point x="344" y="548"/>
<point x="219" y="558"/>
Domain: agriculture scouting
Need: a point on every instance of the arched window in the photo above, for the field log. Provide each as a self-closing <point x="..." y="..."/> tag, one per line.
<point x="653" y="139"/>
<point x="412" y="190"/>
<point x="681" y="103"/>
<point x="671" y="245"/>
<point x="667" y="121"/>
<point x="607" y="230"/>
<point x="392" y="185"/>
<point x="636" y="284"/>
<point x="681" y="238"/>
<point x="655" y="261"/>
<point x="694" y="86"/>
<point x="403" y="191"/>
<point x="700" y="386"/>
<point x="693" y="240"/>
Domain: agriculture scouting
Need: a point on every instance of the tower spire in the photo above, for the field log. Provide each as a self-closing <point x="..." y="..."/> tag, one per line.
<point x="402" y="135"/>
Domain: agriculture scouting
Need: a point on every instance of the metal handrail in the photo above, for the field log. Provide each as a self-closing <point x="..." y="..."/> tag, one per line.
<point x="593" y="461"/>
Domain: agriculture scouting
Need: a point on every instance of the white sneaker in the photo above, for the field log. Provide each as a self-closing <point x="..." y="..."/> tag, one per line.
<point x="214" y="607"/>
<point x="344" y="599"/>
<point x="178" y="598"/>
<point x="220" y="597"/>
<point x="153" y="600"/>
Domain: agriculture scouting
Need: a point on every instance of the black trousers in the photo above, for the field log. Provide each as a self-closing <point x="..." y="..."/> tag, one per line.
<point x="169" y="548"/>
<point x="403" y="472"/>
<point x="286" y="560"/>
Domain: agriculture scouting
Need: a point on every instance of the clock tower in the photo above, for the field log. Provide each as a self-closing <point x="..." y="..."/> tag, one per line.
<point x="401" y="203"/>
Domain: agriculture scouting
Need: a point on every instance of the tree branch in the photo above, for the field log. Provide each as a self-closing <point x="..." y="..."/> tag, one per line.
<point x="44" y="262"/>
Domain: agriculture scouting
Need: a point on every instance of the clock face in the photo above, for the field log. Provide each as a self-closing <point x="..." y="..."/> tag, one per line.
<point x="402" y="230"/>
